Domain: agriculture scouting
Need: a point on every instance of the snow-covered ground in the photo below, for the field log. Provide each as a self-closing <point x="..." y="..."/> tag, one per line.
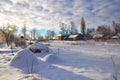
<point x="68" y="61"/>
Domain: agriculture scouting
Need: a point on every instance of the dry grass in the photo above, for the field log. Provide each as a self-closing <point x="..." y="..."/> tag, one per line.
<point x="114" y="41"/>
<point x="84" y="43"/>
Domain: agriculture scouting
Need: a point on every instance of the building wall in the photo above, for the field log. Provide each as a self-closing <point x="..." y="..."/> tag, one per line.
<point x="73" y="39"/>
<point x="58" y="38"/>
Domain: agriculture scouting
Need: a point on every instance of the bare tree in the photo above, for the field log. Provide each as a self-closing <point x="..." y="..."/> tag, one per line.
<point x="105" y="30"/>
<point x="24" y="30"/>
<point x="8" y="33"/>
<point x="63" y="28"/>
<point x="73" y="28"/>
<point x="40" y="38"/>
<point x="83" y="26"/>
<point x="50" y="34"/>
<point x="116" y="27"/>
<point x="114" y="24"/>
<point x="34" y="32"/>
<point x="90" y="32"/>
<point x="1" y="36"/>
<point x="46" y="37"/>
<point x="53" y="34"/>
<point x="68" y="29"/>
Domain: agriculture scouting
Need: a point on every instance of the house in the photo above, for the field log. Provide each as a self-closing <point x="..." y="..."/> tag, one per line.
<point x="98" y="37"/>
<point x="68" y="37"/>
<point x="58" y="37"/>
<point x="116" y="36"/>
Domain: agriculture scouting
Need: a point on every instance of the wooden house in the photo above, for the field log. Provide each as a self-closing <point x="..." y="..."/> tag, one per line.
<point x="98" y="37"/>
<point x="58" y="37"/>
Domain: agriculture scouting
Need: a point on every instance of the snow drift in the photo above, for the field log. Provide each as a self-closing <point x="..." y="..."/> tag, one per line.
<point x="39" y="48"/>
<point x="51" y="58"/>
<point x="24" y="60"/>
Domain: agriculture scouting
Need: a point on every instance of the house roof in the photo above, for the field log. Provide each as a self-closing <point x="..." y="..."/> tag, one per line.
<point x="73" y="36"/>
<point x="59" y="35"/>
<point x="53" y="38"/>
<point x="97" y="36"/>
<point x="115" y="37"/>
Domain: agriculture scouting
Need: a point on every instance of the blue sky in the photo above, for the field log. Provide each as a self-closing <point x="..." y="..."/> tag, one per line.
<point x="47" y="14"/>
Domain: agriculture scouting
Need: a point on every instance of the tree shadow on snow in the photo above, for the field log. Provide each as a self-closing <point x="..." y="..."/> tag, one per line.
<point x="79" y="61"/>
<point x="51" y="72"/>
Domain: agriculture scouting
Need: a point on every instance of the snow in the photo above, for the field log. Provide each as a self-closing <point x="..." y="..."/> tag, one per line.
<point x="4" y="48"/>
<point x="65" y="62"/>
<point x="41" y="48"/>
<point x="38" y="46"/>
<point x="73" y="36"/>
<point x="8" y="50"/>
<point x="24" y="60"/>
<point x="52" y="58"/>
<point x="98" y="36"/>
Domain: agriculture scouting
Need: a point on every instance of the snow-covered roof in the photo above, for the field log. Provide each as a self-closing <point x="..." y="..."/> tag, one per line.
<point x="59" y="35"/>
<point x="53" y="38"/>
<point x="115" y="37"/>
<point x="97" y="36"/>
<point x="73" y="36"/>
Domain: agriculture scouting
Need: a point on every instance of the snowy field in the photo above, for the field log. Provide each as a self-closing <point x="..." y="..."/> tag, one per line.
<point x="66" y="61"/>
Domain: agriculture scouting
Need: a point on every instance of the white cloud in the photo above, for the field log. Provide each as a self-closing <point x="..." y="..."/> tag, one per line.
<point x="47" y="14"/>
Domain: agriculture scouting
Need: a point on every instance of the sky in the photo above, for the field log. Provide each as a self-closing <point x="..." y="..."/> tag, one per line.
<point x="48" y="14"/>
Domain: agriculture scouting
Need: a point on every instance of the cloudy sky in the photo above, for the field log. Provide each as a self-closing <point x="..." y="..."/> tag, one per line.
<point x="47" y="14"/>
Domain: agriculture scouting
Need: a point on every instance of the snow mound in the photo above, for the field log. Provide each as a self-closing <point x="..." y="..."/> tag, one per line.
<point x="52" y="58"/>
<point x="39" y="48"/>
<point x="24" y="60"/>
